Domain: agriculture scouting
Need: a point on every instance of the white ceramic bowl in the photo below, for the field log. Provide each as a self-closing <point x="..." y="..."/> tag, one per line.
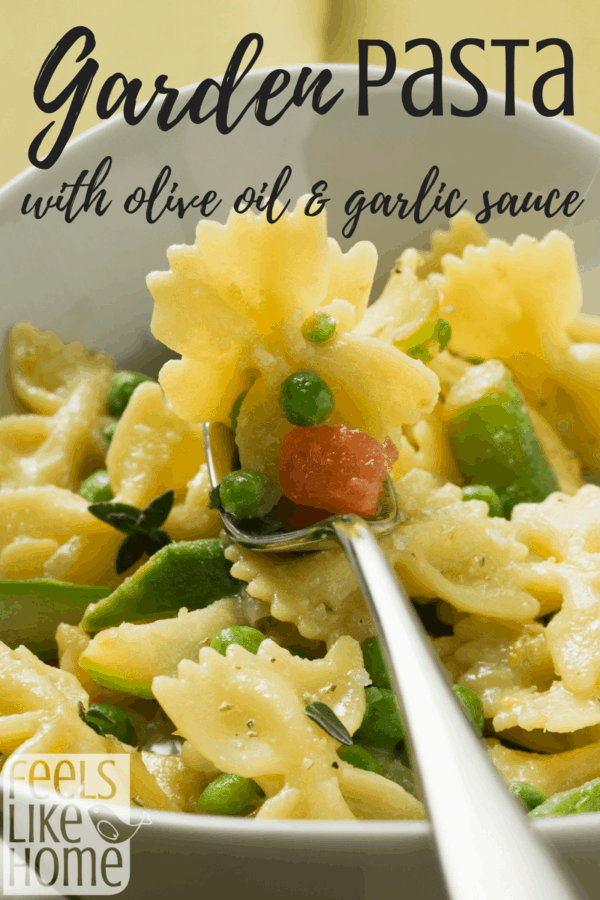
<point x="86" y="281"/>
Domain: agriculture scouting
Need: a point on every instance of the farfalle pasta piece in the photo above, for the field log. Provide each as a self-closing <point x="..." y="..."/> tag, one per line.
<point x="47" y="531"/>
<point x="44" y="371"/>
<point x="426" y="446"/>
<point x="464" y="231"/>
<point x="245" y="713"/>
<point x="59" y="449"/>
<point x="71" y="641"/>
<point x="445" y="549"/>
<point x="533" y="293"/>
<point x="41" y="710"/>
<point x="65" y="386"/>
<point x="549" y="772"/>
<point x="153" y="450"/>
<point x="510" y="667"/>
<point x="405" y="305"/>
<point x="318" y="593"/>
<point x="564" y="534"/>
<point x="180" y="783"/>
<point x="451" y="549"/>
<point x="233" y="305"/>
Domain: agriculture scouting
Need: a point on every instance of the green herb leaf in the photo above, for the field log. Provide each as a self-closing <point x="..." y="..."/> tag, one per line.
<point x="328" y="721"/>
<point x="142" y="527"/>
<point x="156" y="512"/>
<point x="108" y="508"/>
<point x="132" y="549"/>
<point x="122" y="522"/>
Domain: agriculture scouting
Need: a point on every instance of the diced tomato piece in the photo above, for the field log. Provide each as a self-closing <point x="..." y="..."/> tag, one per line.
<point x="334" y="468"/>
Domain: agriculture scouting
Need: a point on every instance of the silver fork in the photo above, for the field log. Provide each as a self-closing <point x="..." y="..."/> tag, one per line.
<point x="485" y="844"/>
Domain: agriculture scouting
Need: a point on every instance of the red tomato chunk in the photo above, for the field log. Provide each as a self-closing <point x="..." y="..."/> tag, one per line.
<point x="335" y="468"/>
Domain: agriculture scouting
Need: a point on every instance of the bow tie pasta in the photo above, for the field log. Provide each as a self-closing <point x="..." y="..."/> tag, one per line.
<point x="234" y="304"/>
<point x="41" y="712"/>
<point x="47" y="531"/>
<point x="533" y="295"/>
<point x="472" y="380"/>
<point x="245" y="713"/>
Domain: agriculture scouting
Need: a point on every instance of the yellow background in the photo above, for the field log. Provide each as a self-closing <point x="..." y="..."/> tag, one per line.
<point x="191" y="39"/>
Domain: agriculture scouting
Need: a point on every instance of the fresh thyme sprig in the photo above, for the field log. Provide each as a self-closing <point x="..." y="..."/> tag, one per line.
<point x="142" y="527"/>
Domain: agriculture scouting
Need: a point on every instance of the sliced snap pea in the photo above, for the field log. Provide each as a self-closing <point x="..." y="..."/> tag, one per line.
<point x="584" y="799"/>
<point x="382" y="725"/>
<point x="375" y="663"/>
<point x="189" y="573"/>
<point x="230" y="795"/>
<point x="32" y="609"/>
<point x="360" y="758"/>
<point x="472" y="705"/>
<point x="493" y="439"/>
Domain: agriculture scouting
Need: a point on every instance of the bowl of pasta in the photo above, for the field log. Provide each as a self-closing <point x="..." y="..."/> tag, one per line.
<point x="456" y="350"/>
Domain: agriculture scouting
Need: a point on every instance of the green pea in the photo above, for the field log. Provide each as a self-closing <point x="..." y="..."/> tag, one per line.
<point x="472" y="705"/>
<point x="235" y="410"/>
<point x="529" y="795"/>
<point x="375" y="663"/>
<point x="382" y="725"/>
<point x="248" y="638"/>
<point x="319" y="328"/>
<point x="442" y="333"/>
<point x="107" y="719"/>
<point x="230" y="795"/>
<point x="306" y="399"/>
<point x="246" y="494"/>
<point x="109" y="431"/>
<point x="121" y="387"/>
<point x="96" y="487"/>
<point x="359" y="758"/>
<point x="485" y="493"/>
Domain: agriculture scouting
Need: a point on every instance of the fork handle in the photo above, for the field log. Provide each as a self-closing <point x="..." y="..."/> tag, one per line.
<point x="485" y="843"/>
